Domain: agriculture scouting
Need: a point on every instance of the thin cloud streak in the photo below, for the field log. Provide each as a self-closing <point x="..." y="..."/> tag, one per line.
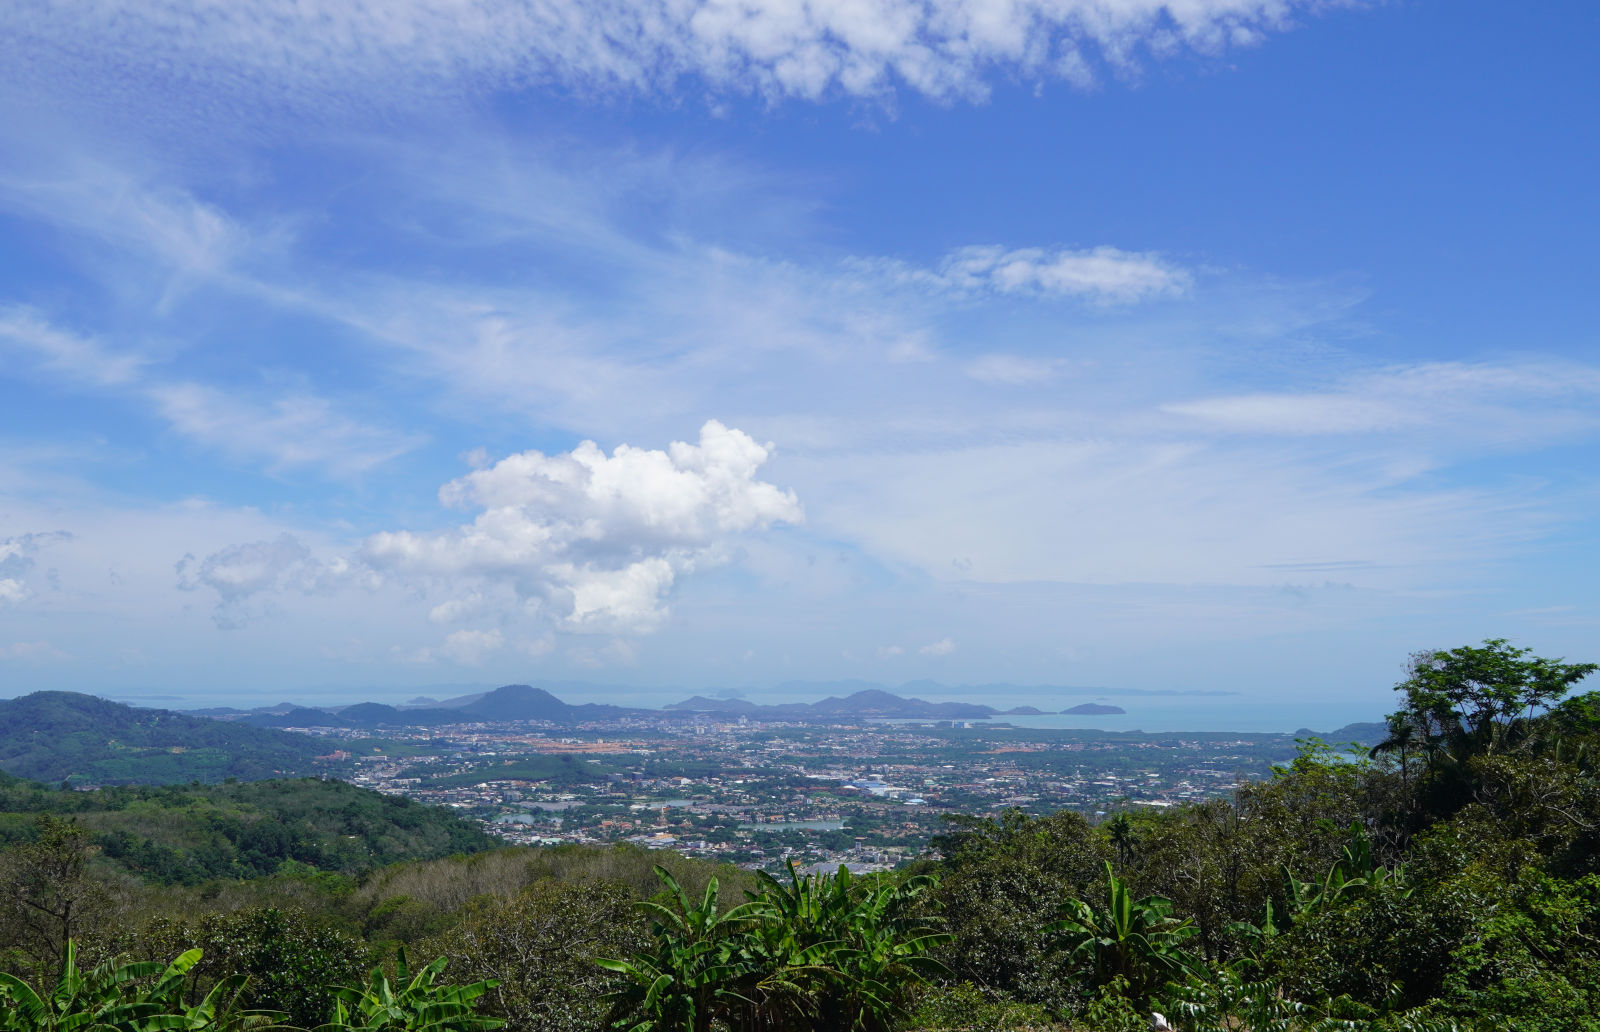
<point x="1507" y="401"/>
<point x="287" y="431"/>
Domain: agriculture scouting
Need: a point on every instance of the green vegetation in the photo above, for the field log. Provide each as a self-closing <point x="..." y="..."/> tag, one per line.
<point x="411" y="1002"/>
<point x="1136" y="941"/>
<point x="189" y="834"/>
<point x="819" y="952"/>
<point x="1447" y="879"/>
<point x="124" y="996"/>
<point x="64" y="736"/>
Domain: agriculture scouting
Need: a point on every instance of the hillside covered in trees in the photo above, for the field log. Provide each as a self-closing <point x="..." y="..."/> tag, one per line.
<point x="1447" y="879"/>
<point x="56" y="736"/>
<point x="190" y="834"/>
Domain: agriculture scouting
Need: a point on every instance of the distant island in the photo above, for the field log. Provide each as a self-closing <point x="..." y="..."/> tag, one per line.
<point x="539" y="702"/>
<point x="1094" y="709"/>
<point x="868" y="704"/>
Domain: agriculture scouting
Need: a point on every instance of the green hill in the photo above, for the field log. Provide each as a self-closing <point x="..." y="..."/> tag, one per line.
<point x="53" y="736"/>
<point x="192" y="833"/>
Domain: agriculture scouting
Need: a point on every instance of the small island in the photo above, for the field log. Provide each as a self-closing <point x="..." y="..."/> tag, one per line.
<point x="1094" y="709"/>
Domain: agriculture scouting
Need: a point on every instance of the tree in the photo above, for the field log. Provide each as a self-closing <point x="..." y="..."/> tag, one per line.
<point x="815" y="952"/>
<point x="1003" y="878"/>
<point x="50" y="896"/>
<point x="293" y="963"/>
<point x="1119" y="830"/>
<point x="541" y="946"/>
<point x="1402" y="738"/>
<point x="1477" y="700"/>
<point x="843" y="952"/>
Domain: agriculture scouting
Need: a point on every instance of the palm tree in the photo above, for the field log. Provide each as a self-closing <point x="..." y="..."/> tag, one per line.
<point x="1120" y="831"/>
<point x="1402" y="738"/>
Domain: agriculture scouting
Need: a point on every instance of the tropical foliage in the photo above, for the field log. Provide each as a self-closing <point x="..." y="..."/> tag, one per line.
<point x="410" y="1003"/>
<point x="119" y="996"/>
<point x="818" y="951"/>
<point x="1448" y="878"/>
<point x="1136" y="940"/>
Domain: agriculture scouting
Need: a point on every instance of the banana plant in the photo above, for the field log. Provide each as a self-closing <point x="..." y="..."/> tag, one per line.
<point x="861" y="945"/>
<point x="410" y="1003"/>
<point x="120" y="996"/>
<point x="1137" y="939"/>
<point x="1356" y="869"/>
<point x="218" y="1011"/>
<point x="698" y="971"/>
<point x="813" y="952"/>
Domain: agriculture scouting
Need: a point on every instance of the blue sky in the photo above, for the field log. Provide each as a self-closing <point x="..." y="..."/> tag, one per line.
<point x="1239" y="345"/>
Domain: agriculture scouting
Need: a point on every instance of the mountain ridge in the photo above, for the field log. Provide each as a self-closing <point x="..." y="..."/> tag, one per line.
<point x="54" y="736"/>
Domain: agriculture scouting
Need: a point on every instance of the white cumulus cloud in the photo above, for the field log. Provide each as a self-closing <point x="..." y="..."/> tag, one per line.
<point x="596" y="541"/>
<point x="942" y="647"/>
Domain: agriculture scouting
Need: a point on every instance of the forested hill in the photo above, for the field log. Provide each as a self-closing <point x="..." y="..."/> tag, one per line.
<point x="53" y="736"/>
<point x="187" y="834"/>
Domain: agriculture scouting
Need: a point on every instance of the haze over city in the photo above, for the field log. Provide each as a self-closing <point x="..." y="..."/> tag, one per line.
<point x="1232" y="346"/>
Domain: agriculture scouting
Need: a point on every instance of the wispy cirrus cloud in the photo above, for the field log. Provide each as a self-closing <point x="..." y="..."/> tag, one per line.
<point x="72" y="357"/>
<point x="1118" y="475"/>
<point x="284" y="429"/>
<point x="1507" y="401"/>
<point x="1016" y="370"/>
